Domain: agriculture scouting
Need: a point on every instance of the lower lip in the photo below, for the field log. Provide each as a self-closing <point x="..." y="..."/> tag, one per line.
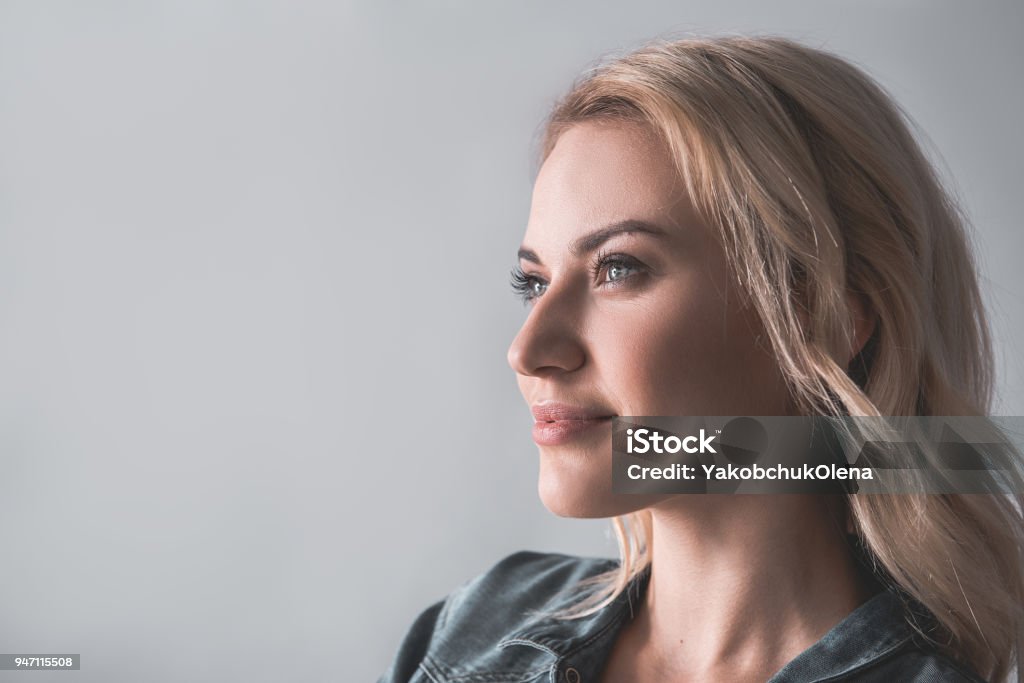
<point x="564" y="431"/>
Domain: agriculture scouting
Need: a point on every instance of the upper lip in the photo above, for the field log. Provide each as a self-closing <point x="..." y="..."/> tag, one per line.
<point x="552" y="411"/>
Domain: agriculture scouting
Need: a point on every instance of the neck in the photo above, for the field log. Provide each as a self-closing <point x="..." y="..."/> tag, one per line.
<point x="740" y="585"/>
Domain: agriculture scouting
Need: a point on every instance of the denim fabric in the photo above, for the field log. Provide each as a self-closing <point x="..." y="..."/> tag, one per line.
<point x="487" y="631"/>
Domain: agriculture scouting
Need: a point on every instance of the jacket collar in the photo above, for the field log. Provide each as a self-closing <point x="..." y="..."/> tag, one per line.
<point x="872" y="631"/>
<point x="564" y="637"/>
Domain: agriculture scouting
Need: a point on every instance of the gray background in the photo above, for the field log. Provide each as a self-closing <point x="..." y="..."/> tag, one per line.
<point x="254" y="407"/>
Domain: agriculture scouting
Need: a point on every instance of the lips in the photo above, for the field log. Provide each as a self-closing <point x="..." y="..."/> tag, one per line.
<point x="559" y="423"/>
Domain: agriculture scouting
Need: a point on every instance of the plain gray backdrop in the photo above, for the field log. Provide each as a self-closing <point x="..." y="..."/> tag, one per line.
<point x="255" y="412"/>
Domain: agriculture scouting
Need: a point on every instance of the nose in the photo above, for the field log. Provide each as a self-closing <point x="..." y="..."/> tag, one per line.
<point x="549" y="341"/>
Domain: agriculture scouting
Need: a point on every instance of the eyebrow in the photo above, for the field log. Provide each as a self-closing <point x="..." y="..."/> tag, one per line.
<point x="588" y="243"/>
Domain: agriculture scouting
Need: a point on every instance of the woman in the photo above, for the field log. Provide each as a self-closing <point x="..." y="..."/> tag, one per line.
<point x="740" y="226"/>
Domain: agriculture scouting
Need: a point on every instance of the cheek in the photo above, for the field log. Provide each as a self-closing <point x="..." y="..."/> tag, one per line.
<point x="692" y="356"/>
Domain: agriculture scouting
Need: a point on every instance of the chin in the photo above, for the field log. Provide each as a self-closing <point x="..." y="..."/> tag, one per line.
<point x="583" y="492"/>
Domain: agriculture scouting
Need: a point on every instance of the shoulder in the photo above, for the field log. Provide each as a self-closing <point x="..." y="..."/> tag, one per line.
<point x="472" y="621"/>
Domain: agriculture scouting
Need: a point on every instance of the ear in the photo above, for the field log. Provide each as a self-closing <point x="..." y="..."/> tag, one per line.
<point x="863" y="324"/>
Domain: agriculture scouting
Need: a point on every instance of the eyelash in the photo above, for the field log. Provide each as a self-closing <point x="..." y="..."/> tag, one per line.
<point x="523" y="283"/>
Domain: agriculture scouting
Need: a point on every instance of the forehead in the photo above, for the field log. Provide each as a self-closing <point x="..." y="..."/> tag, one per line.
<point x="600" y="173"/>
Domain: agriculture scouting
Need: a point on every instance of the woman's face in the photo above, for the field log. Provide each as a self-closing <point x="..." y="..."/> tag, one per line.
<point x="631" y="312"/>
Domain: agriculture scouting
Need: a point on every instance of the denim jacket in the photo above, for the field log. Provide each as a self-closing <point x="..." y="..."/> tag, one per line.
<point x="486" y="632"/>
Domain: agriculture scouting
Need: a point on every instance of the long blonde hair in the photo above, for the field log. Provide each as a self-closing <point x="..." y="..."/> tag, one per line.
<point x="819" y="189"/>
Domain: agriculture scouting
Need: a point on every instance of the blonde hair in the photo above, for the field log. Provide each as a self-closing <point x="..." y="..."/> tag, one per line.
<point x="819" y="189"/>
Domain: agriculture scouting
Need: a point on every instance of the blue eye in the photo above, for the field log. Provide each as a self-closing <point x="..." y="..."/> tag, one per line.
<point x="618" y="271"/>
<point x="614" y="269"/>
<point x="608" y="270"/>
<point x="527" y="287"/>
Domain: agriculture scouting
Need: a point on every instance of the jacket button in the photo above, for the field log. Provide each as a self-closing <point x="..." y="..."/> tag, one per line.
<point x="572" y="675"/>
